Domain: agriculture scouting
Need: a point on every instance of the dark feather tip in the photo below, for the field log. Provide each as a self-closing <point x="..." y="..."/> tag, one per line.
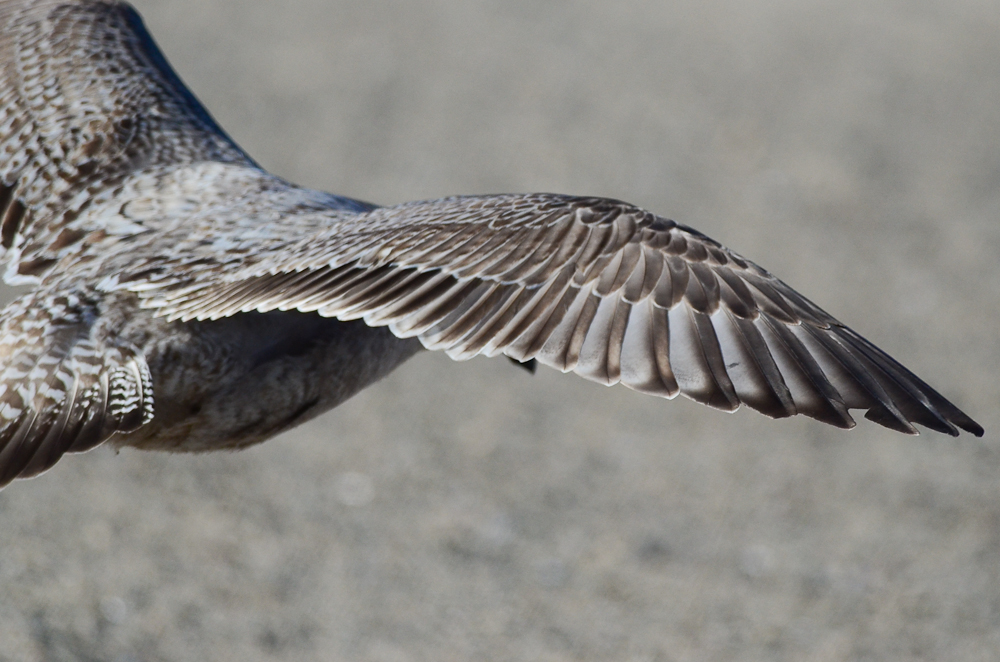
<point x="528" y="365"/>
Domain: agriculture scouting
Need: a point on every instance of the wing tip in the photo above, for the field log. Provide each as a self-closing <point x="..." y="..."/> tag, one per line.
<point x="951" y="425"/>
<point x="969" y="426"/>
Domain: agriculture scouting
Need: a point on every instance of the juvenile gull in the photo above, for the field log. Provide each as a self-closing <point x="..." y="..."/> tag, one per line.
<point x="184" y="299"/>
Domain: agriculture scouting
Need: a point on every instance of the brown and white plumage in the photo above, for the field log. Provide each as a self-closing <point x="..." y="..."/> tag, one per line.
<point x="189" y="300"/>
<point x="64" y="387"/>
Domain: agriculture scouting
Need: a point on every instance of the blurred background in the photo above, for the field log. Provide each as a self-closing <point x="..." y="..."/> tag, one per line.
<point x="472" y="511"/>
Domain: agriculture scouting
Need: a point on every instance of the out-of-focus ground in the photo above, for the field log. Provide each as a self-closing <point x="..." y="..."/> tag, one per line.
<point x="471" y="511"/>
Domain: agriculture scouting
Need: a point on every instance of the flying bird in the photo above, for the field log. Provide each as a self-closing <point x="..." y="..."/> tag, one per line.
<point x="184" y="299"/>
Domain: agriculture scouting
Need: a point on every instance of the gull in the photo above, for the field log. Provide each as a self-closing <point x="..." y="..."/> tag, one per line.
<point x="184" y="299"/>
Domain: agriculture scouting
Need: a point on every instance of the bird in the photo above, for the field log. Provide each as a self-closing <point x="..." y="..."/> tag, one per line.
<point x="184" y="299"/>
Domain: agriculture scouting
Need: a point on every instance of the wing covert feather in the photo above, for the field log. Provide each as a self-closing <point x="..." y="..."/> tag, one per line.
<point x="590" y="285"/>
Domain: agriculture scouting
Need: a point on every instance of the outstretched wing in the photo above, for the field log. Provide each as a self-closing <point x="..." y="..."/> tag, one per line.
<point x="62" y="388"/>
<point x="594" y="286"/>
<point x="86" y="100"/>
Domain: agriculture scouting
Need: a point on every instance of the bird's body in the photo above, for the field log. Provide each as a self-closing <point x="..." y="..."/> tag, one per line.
<point x="187" y="300"/>
<point x="238" y="381"/>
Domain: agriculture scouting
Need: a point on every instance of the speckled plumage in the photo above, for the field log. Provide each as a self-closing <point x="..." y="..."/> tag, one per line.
<point x="187" y="300"/>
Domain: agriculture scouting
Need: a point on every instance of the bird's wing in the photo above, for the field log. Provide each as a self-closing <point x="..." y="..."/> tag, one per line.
<point x="589" y="285"/>
<point x="86" y="100"/>
<point x="63" y="389"/>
